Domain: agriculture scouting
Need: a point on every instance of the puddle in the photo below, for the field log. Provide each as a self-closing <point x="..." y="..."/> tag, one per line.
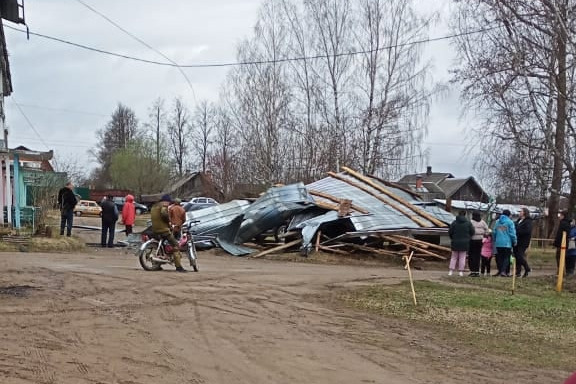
<point x="17" y="290"/>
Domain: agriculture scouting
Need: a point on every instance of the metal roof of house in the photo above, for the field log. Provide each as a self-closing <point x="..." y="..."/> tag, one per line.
<point x="434" y="177"/>
<point x="384" y="211"/>
<point x="497" y="208"/>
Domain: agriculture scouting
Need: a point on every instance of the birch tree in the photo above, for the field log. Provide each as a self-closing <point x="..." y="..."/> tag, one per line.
<point x="518" y="74"/>
<point x="179" y="136"/>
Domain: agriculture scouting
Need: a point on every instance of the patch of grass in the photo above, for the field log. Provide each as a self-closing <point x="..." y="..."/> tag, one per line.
<point x="542" y="258"/>
<point x="536" y="324"/>
<point x="59" y="244"/>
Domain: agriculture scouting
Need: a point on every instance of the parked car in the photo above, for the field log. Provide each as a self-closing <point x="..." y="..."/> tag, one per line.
<point x="140" y="208"/>
<point x="199" y="203"/>
<point x="88" y="208"/>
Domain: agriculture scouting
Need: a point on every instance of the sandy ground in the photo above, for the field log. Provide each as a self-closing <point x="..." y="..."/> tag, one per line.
<point x="97" y="317"/>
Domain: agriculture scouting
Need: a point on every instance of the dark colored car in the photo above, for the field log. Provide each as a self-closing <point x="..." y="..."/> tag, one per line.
<point x="140" y="208"/>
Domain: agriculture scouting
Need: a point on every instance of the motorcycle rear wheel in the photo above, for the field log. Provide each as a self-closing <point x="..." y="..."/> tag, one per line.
<point x="145" y="258"/>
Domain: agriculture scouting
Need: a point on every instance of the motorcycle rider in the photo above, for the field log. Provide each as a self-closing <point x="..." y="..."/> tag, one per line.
<point x="177" y="216"/>
<point x="161" y="228"/>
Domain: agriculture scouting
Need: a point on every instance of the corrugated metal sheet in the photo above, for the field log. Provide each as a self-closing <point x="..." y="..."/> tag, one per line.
<point x="271" y="210"/>
<point x="213" y="220"/>
<point x="388" y="215"/>
<point x="382" y="215"/>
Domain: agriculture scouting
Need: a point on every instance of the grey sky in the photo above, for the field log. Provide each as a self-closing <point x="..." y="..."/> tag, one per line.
<point x="54" y="82"/>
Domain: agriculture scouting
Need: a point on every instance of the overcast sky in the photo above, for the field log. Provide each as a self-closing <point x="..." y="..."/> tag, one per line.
<point x="69" y="93"/>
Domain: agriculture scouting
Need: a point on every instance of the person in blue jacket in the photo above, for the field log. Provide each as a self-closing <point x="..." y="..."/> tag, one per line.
<point x="504" y="238"/>
<point x="571" y="252"/>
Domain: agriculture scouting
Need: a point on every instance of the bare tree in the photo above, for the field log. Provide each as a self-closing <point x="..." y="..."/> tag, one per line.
<point x="331" y="23"/>
<point x="222" y="158"/>
<point x="518" y="74"/>
<point x="75" y="169"/>
<point x="261" y="99"/>
<point x="204" y="121"/>
<point x="394" y="96"/>
<point x="120" y="130"/>
<point x="179" y="135"/>
<point x="157" y="125"/>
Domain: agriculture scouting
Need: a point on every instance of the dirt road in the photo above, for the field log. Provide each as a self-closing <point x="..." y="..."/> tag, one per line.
<point x="98" y="318"/>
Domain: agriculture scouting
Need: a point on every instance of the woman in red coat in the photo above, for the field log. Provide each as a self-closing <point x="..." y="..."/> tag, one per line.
<point x="128" y="213"/>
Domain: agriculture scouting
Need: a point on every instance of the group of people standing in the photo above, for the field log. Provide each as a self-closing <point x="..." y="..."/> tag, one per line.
<point x="110" y="215"/>
<point x="476" y="241"/>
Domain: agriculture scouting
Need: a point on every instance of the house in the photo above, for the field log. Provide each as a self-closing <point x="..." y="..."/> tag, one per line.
<point x="11" y="10"/>
<point x="186" y="187"/>
<point x="5" y="90"/>
<point x="443" y="185"/>
<point x="34" y="183"/>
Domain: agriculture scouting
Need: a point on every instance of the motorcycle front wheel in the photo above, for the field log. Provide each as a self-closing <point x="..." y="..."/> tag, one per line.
<point x="193" y="257"/>
<point x="145" y="257"/>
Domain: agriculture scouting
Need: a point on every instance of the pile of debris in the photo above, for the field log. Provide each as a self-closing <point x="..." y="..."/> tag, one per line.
<point x="343" y="213"/>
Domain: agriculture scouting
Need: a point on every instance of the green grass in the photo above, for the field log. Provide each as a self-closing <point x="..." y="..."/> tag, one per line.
<point x="536" y="324"/>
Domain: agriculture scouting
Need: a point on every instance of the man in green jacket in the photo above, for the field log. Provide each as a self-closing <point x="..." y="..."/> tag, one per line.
<point x="161" y="228"/>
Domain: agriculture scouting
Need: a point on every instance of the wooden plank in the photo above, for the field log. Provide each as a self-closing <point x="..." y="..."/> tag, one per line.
<point x="336" y="200"/>
<point x="428" y="245"/>
<point x="414" y="247"/>
<point x="278" y="248"/>
<point x="318" y="240"/>
<point x="388" y="202"/>
<point x="415" y="209"/>
<point x="375" y="250"/>
<point x="328" y="249"/>
<point x="432" y="254"/>
<point x="331" y="207"/>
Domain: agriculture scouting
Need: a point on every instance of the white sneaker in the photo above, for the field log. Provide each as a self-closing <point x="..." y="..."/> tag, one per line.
<point x="450" y="273"/>
<point x="460" y="273"/>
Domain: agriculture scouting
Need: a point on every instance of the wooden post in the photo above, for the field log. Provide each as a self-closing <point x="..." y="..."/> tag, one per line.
<point x="513" y="260"/>
<point x="318" y="240"/>
<point x="408" y="259"/>
<point x="561" y="264"/>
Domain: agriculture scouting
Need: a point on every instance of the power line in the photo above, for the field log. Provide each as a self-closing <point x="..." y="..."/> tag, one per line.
<point x="67" y="110"/>
<point x="29" y="122"/>
<point x="92" y="9"/>
<point x="256" y="62"/>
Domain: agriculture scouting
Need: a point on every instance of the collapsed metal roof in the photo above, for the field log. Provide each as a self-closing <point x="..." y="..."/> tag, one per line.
<point x="376" y="206"/>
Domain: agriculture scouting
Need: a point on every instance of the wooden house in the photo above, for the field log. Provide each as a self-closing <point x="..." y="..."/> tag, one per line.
<point x="443" y="185"/>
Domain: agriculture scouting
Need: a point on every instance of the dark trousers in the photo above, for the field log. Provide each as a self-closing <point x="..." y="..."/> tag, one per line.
<point x="128" y="230"/>
<point x="108" y="229"/>
<point x="474" y="255"/>
<point x="66" y="219"/>
<point x="521" y="262"/>
<point x="503" y="260"/>
<point x="570" y="262"/>
<point x="485" y="264"/>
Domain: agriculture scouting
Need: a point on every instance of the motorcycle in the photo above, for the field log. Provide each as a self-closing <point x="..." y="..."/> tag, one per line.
<point x="155" y="252"/>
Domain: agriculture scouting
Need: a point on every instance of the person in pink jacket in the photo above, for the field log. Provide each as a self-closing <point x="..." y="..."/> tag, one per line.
<point x="486" y="252"/>
<point x="128" y="213"/>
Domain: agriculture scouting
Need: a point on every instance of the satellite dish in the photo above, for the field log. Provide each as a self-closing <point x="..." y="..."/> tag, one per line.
<point x="12" y="10"/>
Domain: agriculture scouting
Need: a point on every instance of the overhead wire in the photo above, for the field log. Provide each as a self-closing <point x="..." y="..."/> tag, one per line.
<point x="255" y="62"/>
<point x="94" y="10"/>
<point x="66" y="110"/>
<point x="29" y="122"/>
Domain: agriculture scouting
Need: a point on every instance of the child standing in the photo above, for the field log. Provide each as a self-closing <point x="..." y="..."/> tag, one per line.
<point x="486" y="252"/>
